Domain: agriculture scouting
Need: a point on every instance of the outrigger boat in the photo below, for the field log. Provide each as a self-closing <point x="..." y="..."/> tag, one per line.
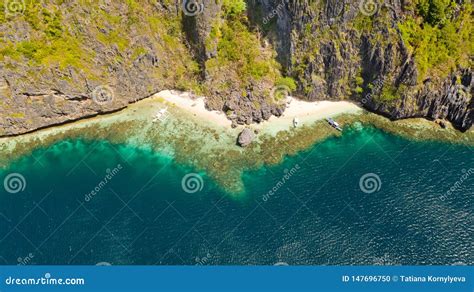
<point x="160" y="115"/>
<point x="296" y="122"/>
<point x="334" y="124"/>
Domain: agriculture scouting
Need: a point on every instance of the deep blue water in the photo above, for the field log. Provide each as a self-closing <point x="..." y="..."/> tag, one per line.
<point x="317" y="215"/>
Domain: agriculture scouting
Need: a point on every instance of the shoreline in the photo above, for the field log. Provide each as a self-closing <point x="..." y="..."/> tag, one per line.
<point x="205" y="141"/>
<point x="306" y="112"/>
<point x="190" y="109"/>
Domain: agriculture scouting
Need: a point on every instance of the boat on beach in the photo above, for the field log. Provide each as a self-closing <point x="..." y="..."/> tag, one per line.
<point x="296" y="122"/>
<point x="334" y="124"/>
<point x="161" y="115"/>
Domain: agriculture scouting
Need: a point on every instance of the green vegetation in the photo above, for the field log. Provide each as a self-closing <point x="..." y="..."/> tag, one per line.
<point x="436" y="11"/>
<point x="389" y="93"/>
<point x="64" y="38"/>
<point x="114" y="37"/>
<point x="439" y="41"/>
<point x="359" y="83"/>
<point x="363" y="23"/>
<point x="238" y="48"/>
<point x="233" y="8"/>
<point x="88" y="38"/>
<point x="287" y="82"/>
<point x="50" y="43"/>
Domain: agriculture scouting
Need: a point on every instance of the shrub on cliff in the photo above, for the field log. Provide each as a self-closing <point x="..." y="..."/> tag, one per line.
<point x="233" y="7"/>
<point x="436" y="11"/>
<point x="438" y="42"/>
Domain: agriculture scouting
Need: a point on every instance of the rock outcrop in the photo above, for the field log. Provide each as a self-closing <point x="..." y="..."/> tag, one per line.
<point x="246" y="137"/>
<point x="242" y="109"/>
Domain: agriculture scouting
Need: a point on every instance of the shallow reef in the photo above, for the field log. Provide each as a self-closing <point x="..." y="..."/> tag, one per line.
<point x="211" y="149"/>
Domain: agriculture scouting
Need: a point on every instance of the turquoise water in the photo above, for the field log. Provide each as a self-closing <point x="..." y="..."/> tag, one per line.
<point x="317" y="213"/>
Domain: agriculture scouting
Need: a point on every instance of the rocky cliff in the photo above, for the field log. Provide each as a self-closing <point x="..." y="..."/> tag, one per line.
<point x="65" y="60"/>
<point x="354" y="49"/>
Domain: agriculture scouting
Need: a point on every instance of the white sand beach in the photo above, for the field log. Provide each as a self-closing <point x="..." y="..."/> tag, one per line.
<point x="145" y="110"/>
<point x="306" y="112"/>
<point x="194" y="105"/>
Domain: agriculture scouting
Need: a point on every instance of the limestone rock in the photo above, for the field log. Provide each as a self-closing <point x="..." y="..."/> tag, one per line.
<point x="246" y="137"/>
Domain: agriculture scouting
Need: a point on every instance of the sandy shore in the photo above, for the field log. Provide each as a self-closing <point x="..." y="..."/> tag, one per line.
<point x="194" y="105"/>
<point x="186" y="104"/>
<point x="306" y="112"/>
<point x="205" y="139"/>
